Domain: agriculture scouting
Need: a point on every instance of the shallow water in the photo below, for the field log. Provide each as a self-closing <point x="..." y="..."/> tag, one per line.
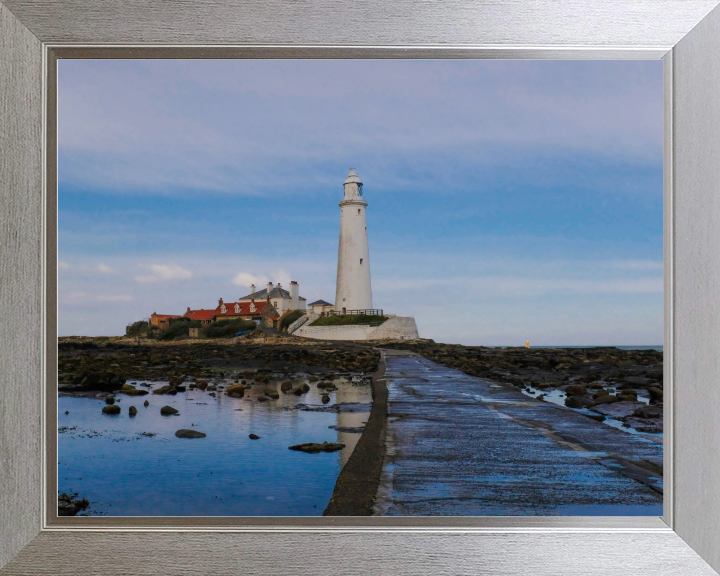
<point x="556" y="396"/>
<point x="122" y="472"/>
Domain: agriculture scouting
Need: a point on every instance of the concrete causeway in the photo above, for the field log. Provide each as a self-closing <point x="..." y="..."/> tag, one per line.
<point x="459" y="445"/>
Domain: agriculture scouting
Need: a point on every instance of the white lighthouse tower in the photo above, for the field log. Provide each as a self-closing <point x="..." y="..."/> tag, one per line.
<point x="352" y="291"/>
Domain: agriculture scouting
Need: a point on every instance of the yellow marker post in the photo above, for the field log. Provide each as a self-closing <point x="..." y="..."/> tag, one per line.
<point x="527" y="343"/>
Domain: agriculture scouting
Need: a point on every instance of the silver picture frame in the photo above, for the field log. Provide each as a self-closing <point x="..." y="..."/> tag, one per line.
<point x="685" y="34"/>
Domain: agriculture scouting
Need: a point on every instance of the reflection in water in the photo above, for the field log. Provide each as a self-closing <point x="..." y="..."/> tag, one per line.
<point x="137" y="467"/>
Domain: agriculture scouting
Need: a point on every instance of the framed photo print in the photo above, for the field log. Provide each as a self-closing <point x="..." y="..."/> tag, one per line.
<point x="409" y="288"/>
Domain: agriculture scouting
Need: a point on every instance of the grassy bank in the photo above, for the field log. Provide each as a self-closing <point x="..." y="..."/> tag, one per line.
<point x="349" y="319"/>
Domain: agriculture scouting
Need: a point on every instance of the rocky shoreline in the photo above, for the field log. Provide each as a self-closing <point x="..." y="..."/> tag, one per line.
<point x="601" y="382"/>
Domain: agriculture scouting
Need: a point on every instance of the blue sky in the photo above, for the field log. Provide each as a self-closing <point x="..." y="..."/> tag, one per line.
<point x="508" y="200"/>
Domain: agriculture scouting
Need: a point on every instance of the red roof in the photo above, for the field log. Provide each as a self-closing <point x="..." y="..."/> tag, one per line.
<point x="243" y="309"/>
<point x="201" y="314"/>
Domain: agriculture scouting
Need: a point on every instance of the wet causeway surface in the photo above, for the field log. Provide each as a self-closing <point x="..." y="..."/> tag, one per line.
<point x="462" y="445"/>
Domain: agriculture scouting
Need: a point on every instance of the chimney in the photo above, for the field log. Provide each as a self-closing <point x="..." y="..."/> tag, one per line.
<point x="294" y="295"/>
<point x="252" y="289"/>
<point x="269" y="289"/>
<point x="220" y="302"/>
<point x="188" y="309"/>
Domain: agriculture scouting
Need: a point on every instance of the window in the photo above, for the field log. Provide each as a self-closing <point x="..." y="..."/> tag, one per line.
<point x="223" y="309"/>
<point x="237" y="308"/>
<point x="361" y="261"/>
<point x="358" y="210"/>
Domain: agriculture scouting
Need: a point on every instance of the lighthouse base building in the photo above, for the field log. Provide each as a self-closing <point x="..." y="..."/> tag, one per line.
<point x="353" y="291"/>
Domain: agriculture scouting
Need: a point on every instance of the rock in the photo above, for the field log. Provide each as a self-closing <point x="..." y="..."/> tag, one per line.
<point x="619" y="409"/>
<point x="135" y="392"/>
<point x="236" y="391"/>
<point x="576" y="390"/>
<point x="656" y="394"/>
<point x="300" y="389"/>
<point x="202" y="384"/>
<point x="342" y="407"/>
<point x="654" y="411"/>
<point x="321" y="385"/>
<point x="211" y="394"/>
<point x="109" y="399"/>
<point x="171" y="392"/>
<point x="181" y="388"/>
<point x="325" y="398"/>
<point x="162" y="389"/>
<point x="254" y="437"/>
<point x="605" y="399"/>
<point x="132" y="410"/>
<point x="146" y="403"/>
<point x="313" y="378"/>
<point x="263" y="399"/>
<point x="286" y="385"/>
<point x="127" y="387"/>
<point x="577" y="402"/>
<point x="67" y="412"/>
<point x="598" y="417"/>
<point x="314" y="448"/>
<point x="212" y="388"/>
<point x="168" y="410"/>
<point x="271" y="392"/>
<point x="103" y="381"/>
<point x="69" y="507"/>
<point x="647" y="425"/>
<point x="185" y="433"/>
<point x="112" y="409"/>
<point x="350" y="429"/>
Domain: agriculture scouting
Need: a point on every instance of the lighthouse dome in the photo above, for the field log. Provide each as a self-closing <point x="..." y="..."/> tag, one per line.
<point x="353" y="178"/>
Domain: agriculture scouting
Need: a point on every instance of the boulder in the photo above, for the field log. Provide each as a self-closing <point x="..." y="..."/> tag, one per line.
<point x="322" y="385"/>
<point x="211" y="394"/>
<point x="300" y="389"/>
<point x="135" y="392"/>
<point x="168" y="411"/>
<point x="325" y="398"/>
<point x="112" y="409"/>
<point x="132" y="410"/>
<point x="654" y="411"/>
<point x="313" y="378"/>
<point x="254" y="437"/>
<point x="314" y="448"/>
<point x="286" y="386"/>
<point x="577" y="402"/>
<point x="606" y="399"/>
<point x="262" y="399"/>
<point x="202" y="384"/>
<point x="162" y="389"/>
<point x="619" y="409"/>
<point x="146" y="403"/>
<point x="185" y="433"/>
<point x="109" y="399"/>
<point x="656" y="394"/>
<point x="212" y="388"/>
<point x="236" y="391"/>
<point x="181" y="388"/>
<point x="271" y="392"/>
<point x="69" y="507"/>
<point x="126" y="387"/>
<point x="576" y="390"/>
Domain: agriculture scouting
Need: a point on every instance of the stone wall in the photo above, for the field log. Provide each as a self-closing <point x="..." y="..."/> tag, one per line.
<point x="398" y="328"/>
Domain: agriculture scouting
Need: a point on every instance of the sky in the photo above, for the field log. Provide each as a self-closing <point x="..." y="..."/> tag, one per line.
<point x="507" y="200"/>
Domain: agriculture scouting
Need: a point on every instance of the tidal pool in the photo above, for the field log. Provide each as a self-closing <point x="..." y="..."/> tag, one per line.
<point x="135" y="466"/>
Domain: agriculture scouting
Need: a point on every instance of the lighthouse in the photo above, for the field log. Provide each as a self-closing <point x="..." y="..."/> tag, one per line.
<point x="352" y="291"/>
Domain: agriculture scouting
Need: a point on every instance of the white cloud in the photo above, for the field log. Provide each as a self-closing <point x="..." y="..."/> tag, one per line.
<point x="246" y="280"/>
<point x="105" y="269"/>
<point x="163" y="273"/>
<point x="63" y="265"/>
